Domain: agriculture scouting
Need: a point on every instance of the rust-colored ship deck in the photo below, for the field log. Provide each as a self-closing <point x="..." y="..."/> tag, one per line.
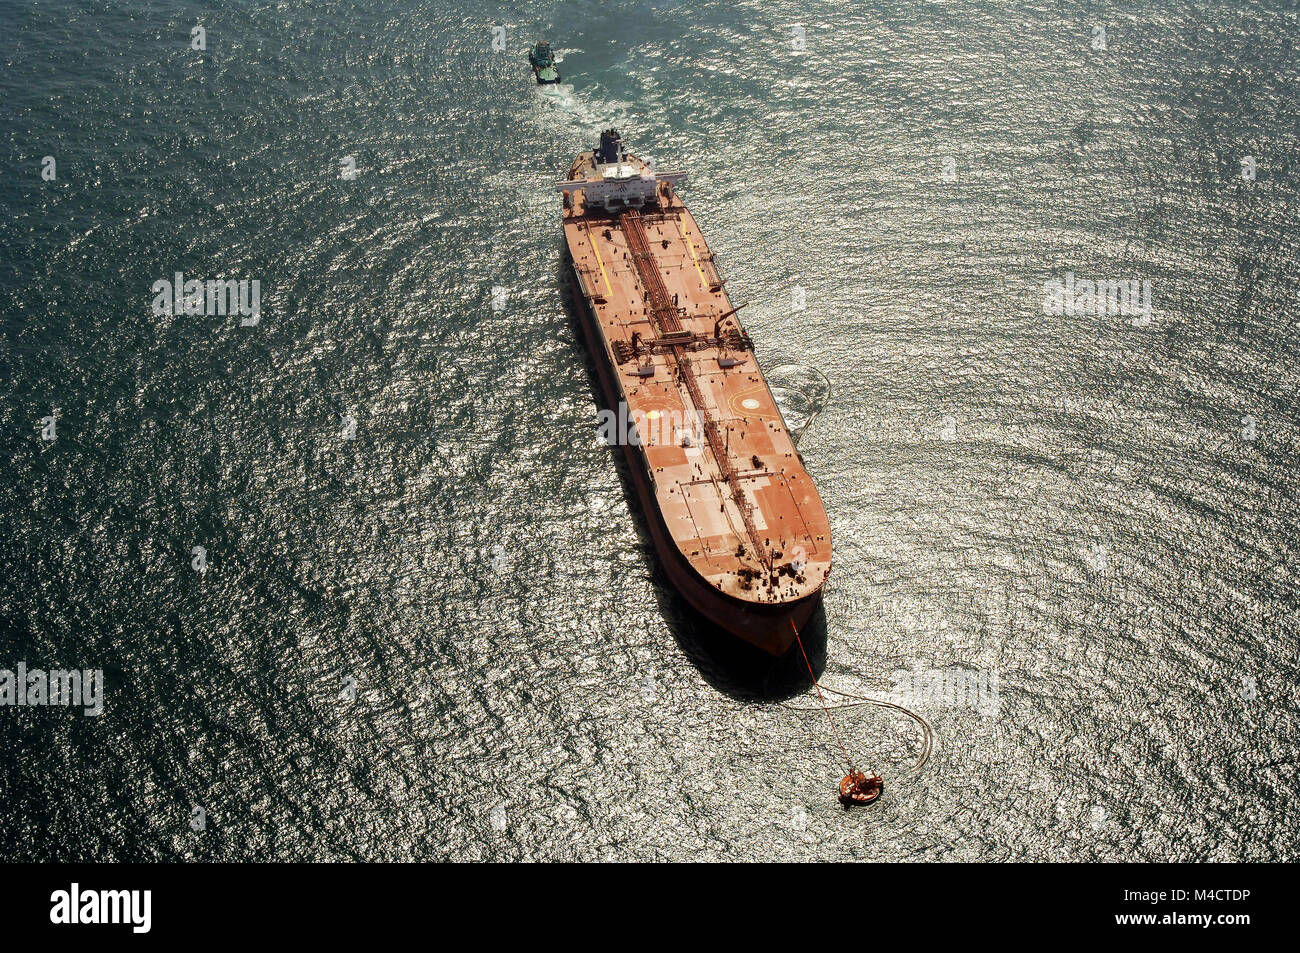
<point x="735" y="517"/>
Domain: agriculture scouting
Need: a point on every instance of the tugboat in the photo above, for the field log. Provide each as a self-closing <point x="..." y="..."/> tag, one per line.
<point x="543" y="63"/>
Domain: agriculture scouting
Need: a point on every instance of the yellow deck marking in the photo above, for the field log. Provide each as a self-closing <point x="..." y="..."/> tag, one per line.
<point x="690" y="247"/>
<point x="609" y="292"/>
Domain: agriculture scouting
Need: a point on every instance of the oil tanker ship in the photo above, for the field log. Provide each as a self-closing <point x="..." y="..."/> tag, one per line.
<point x="735" y="517"/>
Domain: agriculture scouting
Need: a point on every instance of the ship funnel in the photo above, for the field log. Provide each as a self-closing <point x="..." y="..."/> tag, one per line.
<point x="610" y="146"/>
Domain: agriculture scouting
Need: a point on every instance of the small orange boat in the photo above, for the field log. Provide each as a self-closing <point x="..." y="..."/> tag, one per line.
<point x="857" y="788"/>
<point x="735" y="517"/>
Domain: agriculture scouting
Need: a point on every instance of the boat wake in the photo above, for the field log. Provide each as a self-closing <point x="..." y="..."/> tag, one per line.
<point x="801" y="392"/>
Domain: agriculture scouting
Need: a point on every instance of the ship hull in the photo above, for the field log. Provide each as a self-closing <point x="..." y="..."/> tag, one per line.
<point x="770" y="628"/>
<point x="736" y="520"/>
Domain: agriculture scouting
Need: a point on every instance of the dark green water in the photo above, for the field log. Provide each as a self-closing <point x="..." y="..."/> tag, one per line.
<point x="1101" y="515"/>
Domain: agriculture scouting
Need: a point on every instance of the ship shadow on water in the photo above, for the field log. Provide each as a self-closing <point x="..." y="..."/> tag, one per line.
<point x="726" y="662"/>
<point x="731" y="665"/>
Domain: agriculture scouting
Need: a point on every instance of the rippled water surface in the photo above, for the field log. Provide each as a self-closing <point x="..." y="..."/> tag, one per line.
<point x="448" y="637"/>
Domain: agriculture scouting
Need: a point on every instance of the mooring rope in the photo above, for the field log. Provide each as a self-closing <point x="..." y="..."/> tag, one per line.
<point x="927" y="732"/>
<point x="849" y="761"/>
<point x="860" y="701"/>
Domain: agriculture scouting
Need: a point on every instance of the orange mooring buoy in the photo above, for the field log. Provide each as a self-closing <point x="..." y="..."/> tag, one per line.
<point x="859" y="788"/>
